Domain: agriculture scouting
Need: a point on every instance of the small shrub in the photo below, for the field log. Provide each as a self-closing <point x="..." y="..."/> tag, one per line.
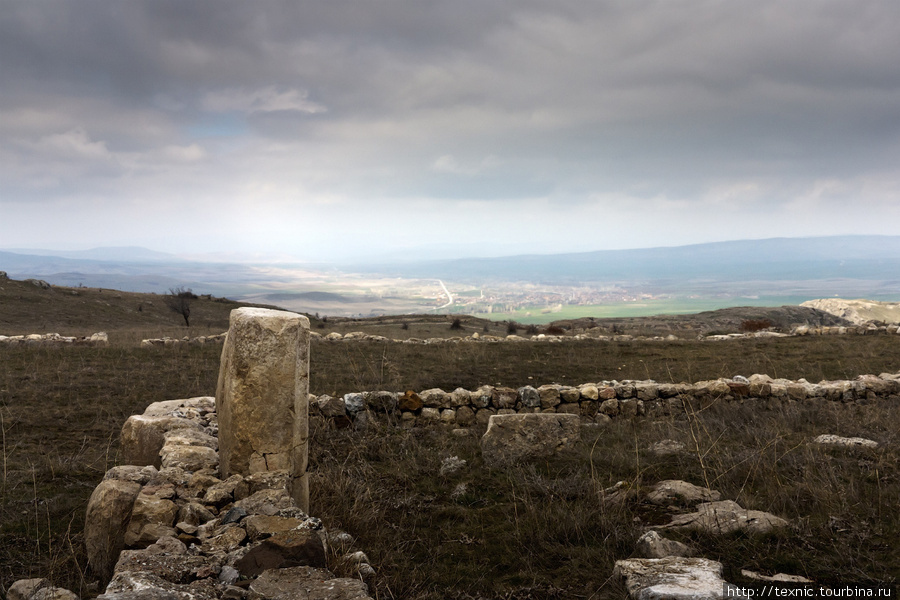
<point x="405" y="326"/>
<point x="554" y="330"/>
<point x="512" y="327"/>
<point x="456" y="324"/>
<point x="531" y="330"/>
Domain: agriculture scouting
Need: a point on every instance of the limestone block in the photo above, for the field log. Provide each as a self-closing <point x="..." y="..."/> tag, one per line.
<point x="141" y="585"/>
<point x="262" y="396"/>
<point x="481" y="398"/>
<point x="465" y="416"/>
<point x="671" y="578"/>
<point x="331" y="407"/>
<point x="435" y="398"/>
<point x="549" y="396"/>
<point x="674" y="491"/>
<point x="24" y="589"/>
<point x="504" y="397"/>
<point x="431" y="414"/>
<point x="724" y="517"/>
<point x="589" y="391"/>
<point x="143" y="437"/>
<point x="460" y="397"/>
<point x="520" y="437"/>
<point x="653" y="545"/>
<point x="189" y="458"/>
<point x="307" y="582"/>
<point x="54" y="593"/>
<point x="152" y="517"/>
<point x="569" y="394"/>
<point x="263" y="526"/>
<point x="108" y="513"/>
<point x="295" y="548"/>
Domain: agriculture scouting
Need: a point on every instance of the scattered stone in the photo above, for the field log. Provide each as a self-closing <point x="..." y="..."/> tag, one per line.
<point x="54" y="593"/>
<point x="724" y="517"/>
<point x="674" y="491"/>
<point x="778" y="577"/>
<point x="24" y="589"/>
<point x="653" y="545"/>
<point x="671" y="578"/>
<point x="666" y="448"/>
<point x="521" y="437"/>
<point x="835" y="440"/>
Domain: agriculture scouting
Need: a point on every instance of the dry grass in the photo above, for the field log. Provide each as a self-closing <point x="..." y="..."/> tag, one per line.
<point x="537" y="528"/>
<point x="543" y="531"/>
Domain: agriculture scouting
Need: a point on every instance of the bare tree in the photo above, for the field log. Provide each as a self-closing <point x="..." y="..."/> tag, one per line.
<point x="179" y="300"/>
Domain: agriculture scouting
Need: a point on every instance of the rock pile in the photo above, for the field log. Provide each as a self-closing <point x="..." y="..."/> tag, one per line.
<point x="170" y="527"/>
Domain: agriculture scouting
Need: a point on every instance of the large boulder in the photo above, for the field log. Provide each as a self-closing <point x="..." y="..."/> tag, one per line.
<point x="108" y="513"/>
<point x="262" y="396"/>
<point x="520" y="437"/>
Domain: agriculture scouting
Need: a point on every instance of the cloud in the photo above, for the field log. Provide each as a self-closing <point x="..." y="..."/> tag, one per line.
<point x="76" y="144"/>
<point x="268" y="99"/>
<point x="646" y="108"/>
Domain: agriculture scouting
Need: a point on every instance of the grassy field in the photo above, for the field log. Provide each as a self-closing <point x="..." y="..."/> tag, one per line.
<point x="533" y="315"/>
<point x="537" y="531"/>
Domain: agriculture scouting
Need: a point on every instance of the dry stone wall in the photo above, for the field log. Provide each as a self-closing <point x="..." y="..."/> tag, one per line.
<point x="356" y="336"/>
<point x="54" y="339"/>
<point x="594" y="402"/>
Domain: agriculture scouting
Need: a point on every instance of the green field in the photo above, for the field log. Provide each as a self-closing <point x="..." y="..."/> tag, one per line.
<point x="644" y="308"/>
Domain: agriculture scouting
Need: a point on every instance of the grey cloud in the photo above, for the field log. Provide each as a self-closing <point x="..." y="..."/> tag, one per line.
<point x="574" y="99"/>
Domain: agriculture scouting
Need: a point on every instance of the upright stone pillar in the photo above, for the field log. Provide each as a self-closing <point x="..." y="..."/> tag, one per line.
<point x="262" y="397"/>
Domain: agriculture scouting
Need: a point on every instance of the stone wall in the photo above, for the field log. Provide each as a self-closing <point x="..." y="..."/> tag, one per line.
<point x="594" y="402"/>
<point x="54" y="339"/>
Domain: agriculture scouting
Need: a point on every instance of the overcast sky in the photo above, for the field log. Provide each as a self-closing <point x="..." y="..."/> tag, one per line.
<point x="336" y="130"/>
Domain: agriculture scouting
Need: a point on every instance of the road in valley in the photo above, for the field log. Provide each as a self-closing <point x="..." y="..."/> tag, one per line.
<point x="449" y="297"/>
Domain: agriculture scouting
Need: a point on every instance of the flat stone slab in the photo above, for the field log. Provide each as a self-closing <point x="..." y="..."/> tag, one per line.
<point x="675" y="491"/>
<point x="514" y="438"/>
<point x="307" y="583"/>
<point x="725" y="517"/>
<point x="672" y="578"/>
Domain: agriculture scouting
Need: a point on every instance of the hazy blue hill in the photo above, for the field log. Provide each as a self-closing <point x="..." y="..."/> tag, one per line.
<point x="108" y="254"/>
<point x="778" y="259"/>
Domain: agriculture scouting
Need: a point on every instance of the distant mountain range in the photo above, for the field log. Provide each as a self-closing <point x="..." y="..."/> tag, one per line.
<point x="847" y="266"/>
<point x="836" y="257"/>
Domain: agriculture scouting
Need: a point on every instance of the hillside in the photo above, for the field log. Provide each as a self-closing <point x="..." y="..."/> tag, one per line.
<point x="30" y="307"/>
